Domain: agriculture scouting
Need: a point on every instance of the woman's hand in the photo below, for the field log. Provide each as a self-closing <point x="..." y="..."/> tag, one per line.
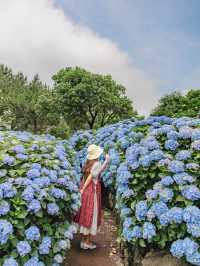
<point x="81" y="191"/>
<point x="107" y="157"/>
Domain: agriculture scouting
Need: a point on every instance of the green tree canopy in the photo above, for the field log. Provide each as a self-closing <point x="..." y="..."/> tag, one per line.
<point x="176" y="105"/>
<point x="26" y="105"/>
<point x="90" y="100"/>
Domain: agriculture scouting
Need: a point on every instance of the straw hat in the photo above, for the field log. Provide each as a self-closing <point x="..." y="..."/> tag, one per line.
<point x="94" y="152"/>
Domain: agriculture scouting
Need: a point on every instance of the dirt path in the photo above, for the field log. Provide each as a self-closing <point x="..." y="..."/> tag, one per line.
<point x="107" y="252"/>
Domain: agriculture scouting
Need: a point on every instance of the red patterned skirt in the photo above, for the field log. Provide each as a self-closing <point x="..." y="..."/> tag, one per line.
<point x="84" y="217"/>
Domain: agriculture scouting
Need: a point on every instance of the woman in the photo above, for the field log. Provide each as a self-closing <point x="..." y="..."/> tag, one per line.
<point x="88" y="219"/>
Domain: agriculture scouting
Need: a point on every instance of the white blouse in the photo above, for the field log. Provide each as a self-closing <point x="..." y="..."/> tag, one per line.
<point x="96" y="170"/>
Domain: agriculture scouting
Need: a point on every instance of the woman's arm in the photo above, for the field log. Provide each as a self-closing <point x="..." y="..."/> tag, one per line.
<point x="87" y="182"/>
<point x="104" y="165"/>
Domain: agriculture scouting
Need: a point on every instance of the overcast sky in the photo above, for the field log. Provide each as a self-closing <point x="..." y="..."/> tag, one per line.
<point x="150" y="46"/>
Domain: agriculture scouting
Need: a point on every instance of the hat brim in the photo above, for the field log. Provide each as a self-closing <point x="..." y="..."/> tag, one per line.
<point x="96" y="155"/>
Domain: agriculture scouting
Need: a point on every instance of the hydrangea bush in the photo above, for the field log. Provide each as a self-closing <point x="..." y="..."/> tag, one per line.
<point x="38" y="196"/>
<point x="155" y="172"/>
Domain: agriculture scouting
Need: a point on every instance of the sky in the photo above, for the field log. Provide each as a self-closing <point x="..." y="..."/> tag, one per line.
<point x="152" y="47"/>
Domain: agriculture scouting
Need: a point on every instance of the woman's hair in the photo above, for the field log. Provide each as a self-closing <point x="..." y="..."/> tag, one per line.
<point x="87" y="168"/>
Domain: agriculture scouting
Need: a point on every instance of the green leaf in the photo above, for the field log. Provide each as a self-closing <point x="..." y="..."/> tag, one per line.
<point x="142" y="243"/>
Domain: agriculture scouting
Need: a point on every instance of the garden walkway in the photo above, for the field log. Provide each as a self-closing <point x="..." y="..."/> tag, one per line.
<point x="107" y="252"/>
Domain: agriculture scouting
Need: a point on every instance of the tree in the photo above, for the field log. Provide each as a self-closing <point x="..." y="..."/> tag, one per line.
<point x="26" y="105"/>
<point x="177" y="105"/>
<point x="90" y="100"/>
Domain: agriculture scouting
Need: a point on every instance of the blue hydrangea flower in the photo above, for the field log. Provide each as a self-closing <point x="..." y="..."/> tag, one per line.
<point x="6" y="229"/>
<point x="42" y="181"/>
<point x="34" y="206"/>
<point x="159" y="208"/>
<point x="32" y="233"/>
<point x="176" y="167"/>
<point x="156" y="155"/>
<point x="141" y="210"/>
<point x="166" y="194"/>
<point x="34" y="261"/>
<point x="22" y="156"/>
<point x="191" y="214"/>
<point x="3" y="173"/>
<point x="151" y="194"/>
<point x="149" y="230"/>
<point x="185" y="132"/>
<point x="171" y="144"/>
<point x="124" y="143"/>
<point x="58" y="259"/>
<point x="172" y="135"/>
<point x="145" y="161"/>
<point x="151" y="143"/>
<point x="52" y="208"/>
<point x="127" y="222"/>
<point x="124" y="212"/>
<point x="175" y="215"/>
<point x="137" y="232"/>
<point x="193" y="229"/>
<point x="190" y="246"/>
<point x="23" y="248"/>
<point x="167" y="180"/>
<point x="191" y="192"/>
<point x="196" y="145"/>
<point x="128" y="193"/>
<point x="196" y="134"/>
<point x="164" y="162"/>
<point x="36" y="166"/>
<point x="68" y="234"/>
<point x="45" y="245"/>
<point x="33" y="173"/>
<point x="28" y="194"/>
<point x="58" y="193"/>
<point x="177" y="248"/>
<point x="127" y="233"/>
<point x="10" y="262"/>
<point x="194" y="258"/>
<point x="183" y="178"/>
<point x="18" y="149"/>
<point x="4" y="208"/>
<point x="183" y="155"/>
<point x="192" y="166"/>
<point x="164" y="219"/>
<point x="63" y="244"/>
<point x="9" y="160"/>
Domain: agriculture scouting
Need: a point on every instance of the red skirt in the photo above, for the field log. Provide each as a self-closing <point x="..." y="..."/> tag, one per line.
<point x="84" y="216"/>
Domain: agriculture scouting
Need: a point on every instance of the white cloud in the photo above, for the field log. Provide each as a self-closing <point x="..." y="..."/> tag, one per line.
<point x="37" y="37"/>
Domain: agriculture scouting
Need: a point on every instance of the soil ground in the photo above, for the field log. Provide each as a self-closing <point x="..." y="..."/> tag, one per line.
<point x="107" y="251"/>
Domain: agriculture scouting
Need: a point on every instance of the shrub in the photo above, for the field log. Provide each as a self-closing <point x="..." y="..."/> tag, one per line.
<point x="38" y="196"/>
<point x="154" y="171"/>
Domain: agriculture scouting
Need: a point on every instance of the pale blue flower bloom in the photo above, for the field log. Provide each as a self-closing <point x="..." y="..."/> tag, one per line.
<point x="23" y="248"/>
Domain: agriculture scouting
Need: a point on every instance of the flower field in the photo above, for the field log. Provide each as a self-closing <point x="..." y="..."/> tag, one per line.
<point x="154" y="171"/>
<point x="38" y="196"/>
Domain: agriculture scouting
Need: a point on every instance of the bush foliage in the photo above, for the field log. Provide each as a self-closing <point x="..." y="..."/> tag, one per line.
<point x="154" y="171"/>
<point x="38" y="196"/>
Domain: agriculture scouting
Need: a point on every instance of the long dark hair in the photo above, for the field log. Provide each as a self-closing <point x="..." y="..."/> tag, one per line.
<point x="87" y="168"/>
